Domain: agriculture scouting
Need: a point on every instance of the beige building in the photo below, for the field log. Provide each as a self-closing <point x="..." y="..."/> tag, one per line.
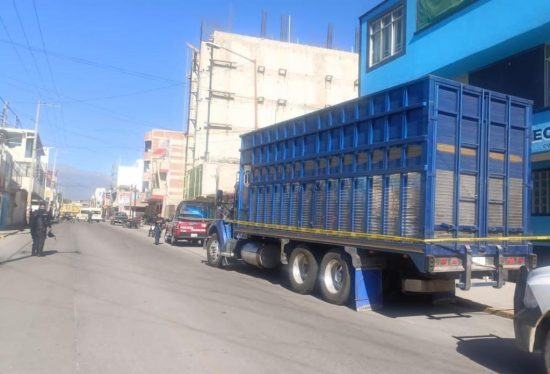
<point x="13" y="199"/>
<point x="163" y="168"/>
<point x="21" y="149"/>
<point x="26" y="171"/>
<point x="240" y="83"/>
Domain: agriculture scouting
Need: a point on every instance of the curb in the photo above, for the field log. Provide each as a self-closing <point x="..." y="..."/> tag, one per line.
<point x="504" y="313"/>
<point x="2" y="236"/>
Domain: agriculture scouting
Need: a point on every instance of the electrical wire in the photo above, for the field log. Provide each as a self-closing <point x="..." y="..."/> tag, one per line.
<point x="134" y="93"/>
<point x="114" y="114"/>
<point x="96" y="64"/>
<point x="28" y="44"/>
<point x="44" y="46"/>
<point x="13" y="45"/>
<point x="50" y="71"/>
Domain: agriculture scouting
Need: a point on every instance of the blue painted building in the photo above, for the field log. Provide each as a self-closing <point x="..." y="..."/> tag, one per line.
<point x="502" y="45"/>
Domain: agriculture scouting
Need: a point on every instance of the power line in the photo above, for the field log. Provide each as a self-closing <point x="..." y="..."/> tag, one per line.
<point x="44" y="45"/>
<point x="28" y="44"/>
<point x="114" y="114"/>
<point x="134" y="93"/>
<point x="13" y="45"/>
<point x="96" y="64"/>
<point x="49" y="69"/>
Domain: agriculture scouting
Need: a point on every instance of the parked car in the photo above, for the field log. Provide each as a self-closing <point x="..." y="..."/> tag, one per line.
<point x="119" y="218"/>
<point x="189" y="223"/>
<point x="532" y="312"/>
<point x="67" y="217"/>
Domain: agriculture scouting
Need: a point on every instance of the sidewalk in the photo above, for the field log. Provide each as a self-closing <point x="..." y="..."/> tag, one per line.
<point x="13" y="242"/>
<point x="490" y="300"/>
<point x="11" y="231"/>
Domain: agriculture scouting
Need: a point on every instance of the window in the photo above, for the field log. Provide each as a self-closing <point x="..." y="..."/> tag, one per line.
<point x="541" y="192"/>
<point x="429" y="12"/>
<point x="386" y="36"/>
<point x="29" y="144"/>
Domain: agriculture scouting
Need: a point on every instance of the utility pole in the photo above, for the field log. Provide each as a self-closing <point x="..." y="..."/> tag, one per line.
<point x="33" y="159"/>
<point x="5" y="114"/>
<point x="131" y="201"/>
<point x="195" y="54"/>
<point x="54" y="184"/>
<point x="206" y="156"/>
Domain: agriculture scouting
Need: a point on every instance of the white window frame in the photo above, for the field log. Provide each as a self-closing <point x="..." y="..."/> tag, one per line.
<point x="384" y="31"/>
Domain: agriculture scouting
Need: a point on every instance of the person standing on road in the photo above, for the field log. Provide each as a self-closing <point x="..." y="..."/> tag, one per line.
<point x="90" y="216"/>
<point x="40" y="222"/>
<point x="159" y="224"/>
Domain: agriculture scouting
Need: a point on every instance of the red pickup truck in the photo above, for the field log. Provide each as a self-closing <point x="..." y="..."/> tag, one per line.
<point x="189" y="223"/>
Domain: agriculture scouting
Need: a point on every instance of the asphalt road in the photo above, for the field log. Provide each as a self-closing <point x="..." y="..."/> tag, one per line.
<point x="107" y="300"/>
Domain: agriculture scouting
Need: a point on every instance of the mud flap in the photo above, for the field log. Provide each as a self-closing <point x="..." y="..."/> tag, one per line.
<point x="367" y="280"/>
<point x="466" y="276"/>
<point x="368" y="289"/>
<point x="498" y="277"/>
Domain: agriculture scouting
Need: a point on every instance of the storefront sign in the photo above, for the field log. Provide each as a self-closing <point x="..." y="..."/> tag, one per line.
<point x="541" y="138"/>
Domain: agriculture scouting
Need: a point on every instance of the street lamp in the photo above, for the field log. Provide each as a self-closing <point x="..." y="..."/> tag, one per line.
<point x="254" y="62"/>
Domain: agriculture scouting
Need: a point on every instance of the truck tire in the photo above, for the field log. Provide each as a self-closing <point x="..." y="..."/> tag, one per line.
<point x="213" y="251"/>
<point x="335" y="278"/>
<point x="302" y="270"/>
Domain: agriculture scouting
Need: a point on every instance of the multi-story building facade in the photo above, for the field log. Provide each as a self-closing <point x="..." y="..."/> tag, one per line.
<point x="495" y="44"/>
<point x="163" y="170"/>
<point x="240" y="83"/>
<point x="13" y="198"/>
<point x="30" y="164"/>
<point x="126" y="191"/>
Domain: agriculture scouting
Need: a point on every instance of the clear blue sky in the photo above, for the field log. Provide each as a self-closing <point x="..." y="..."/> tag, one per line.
<point x="114" y="65"/>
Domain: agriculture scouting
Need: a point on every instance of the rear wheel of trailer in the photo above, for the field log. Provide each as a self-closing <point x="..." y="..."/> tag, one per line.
<point x="302" y="270"/>
<point x="335" y="277"/>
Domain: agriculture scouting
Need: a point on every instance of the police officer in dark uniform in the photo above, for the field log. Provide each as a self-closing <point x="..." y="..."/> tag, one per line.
<point x="40" y="222"/>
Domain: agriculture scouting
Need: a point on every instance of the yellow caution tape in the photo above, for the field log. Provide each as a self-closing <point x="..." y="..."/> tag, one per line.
<point x="392" y="238"/>
<point x="488" y="239"/>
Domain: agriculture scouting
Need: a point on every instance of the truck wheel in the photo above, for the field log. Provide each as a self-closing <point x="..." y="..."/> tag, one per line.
<point x="213" y="251"/>
<point x="335" y="278"/>
<point x="302" y="270"/>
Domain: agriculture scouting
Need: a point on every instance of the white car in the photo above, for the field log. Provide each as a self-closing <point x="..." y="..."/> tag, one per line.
<point x="532" y="312"/>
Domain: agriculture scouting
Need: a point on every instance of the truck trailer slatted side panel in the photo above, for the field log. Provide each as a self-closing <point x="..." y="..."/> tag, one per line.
<point x="430" y="159"/>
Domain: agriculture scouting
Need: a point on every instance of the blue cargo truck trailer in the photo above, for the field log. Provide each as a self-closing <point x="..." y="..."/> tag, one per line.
<point x="427" y="183"/>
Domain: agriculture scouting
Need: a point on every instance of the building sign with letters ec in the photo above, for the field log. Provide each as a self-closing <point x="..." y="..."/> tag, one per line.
<point x="540" y="138"/>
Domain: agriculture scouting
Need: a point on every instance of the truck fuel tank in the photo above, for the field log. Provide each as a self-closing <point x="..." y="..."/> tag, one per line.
<point x="261" y="255"/>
